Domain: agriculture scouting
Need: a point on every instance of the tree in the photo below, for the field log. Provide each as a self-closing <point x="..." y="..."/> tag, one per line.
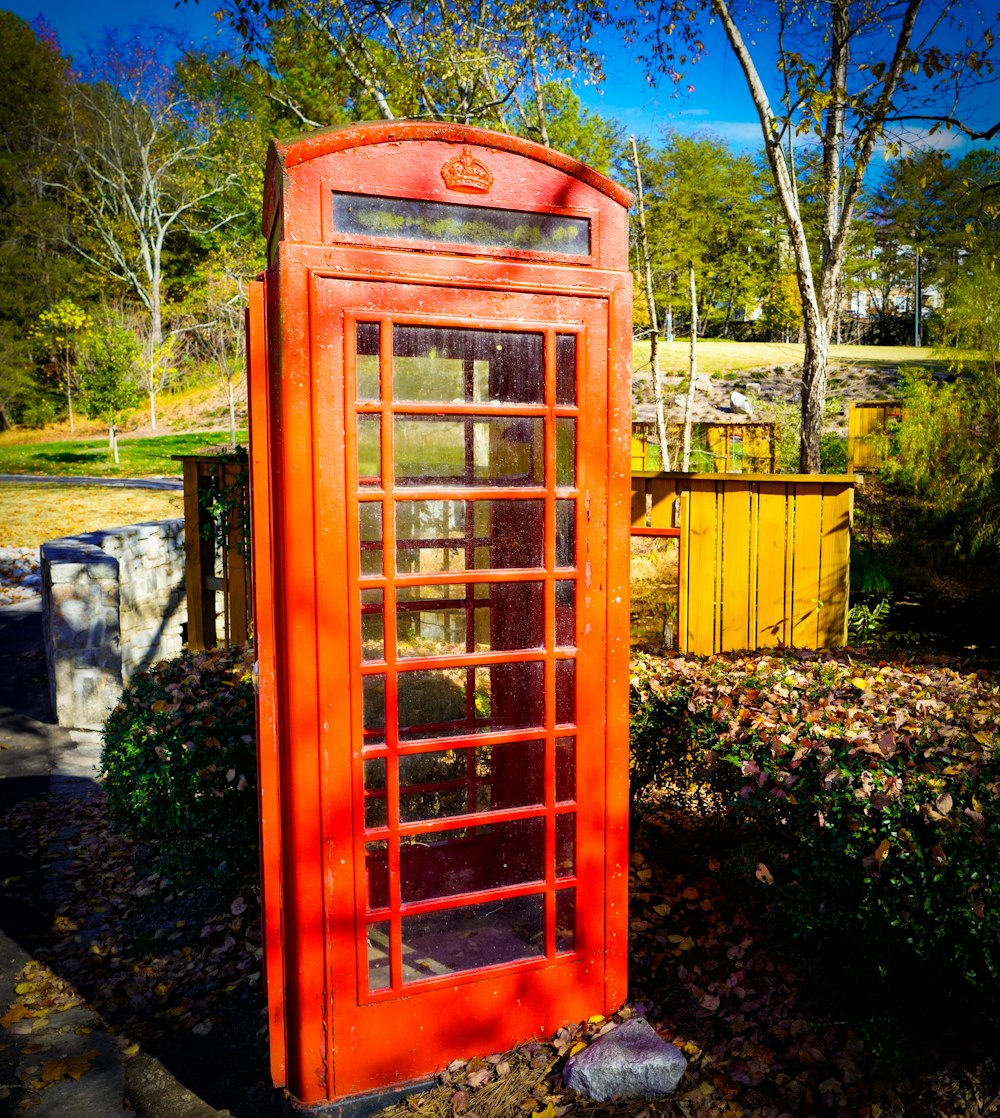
<point x="34" y="270"/>
<point x="109" y="382"/>
<point x="949" y="442"/>
<point x="15" y="374"/>
<point x="847" y="74"/>
<point x="140" y="173"/>
<point x="220" y="335"/>
<point x="705" y="206"/>
<point x="783" y="307"/>
<point x="458" y="60"/>
<point x="58" y="335"/>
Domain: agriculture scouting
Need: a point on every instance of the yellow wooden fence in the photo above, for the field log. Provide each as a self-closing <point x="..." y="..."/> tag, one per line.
<point x="764" y="559"/>
<point x="721" y="447"/>
<point x="869" y="423"/>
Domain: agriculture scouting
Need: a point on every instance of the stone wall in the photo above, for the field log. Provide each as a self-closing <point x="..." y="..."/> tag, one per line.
<point x="113" y="603"/>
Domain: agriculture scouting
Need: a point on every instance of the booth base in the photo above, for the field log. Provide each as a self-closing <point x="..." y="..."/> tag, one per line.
<point x="356" y="1106"/>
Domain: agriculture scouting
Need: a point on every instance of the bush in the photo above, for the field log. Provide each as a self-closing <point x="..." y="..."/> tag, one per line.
<point x="832" y="453"/>
<point x="864" y="813"/>
<point x="179" y="759"/>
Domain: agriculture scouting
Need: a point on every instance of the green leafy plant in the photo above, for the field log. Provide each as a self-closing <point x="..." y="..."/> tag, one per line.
<point x="865" y="622"/>
<point x="179" y="759"/>
<point x="864" y="809"/>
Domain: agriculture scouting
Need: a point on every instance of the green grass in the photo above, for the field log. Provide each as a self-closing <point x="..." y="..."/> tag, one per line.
<point x="717" y="355"/>
<point x="143" y="457"/>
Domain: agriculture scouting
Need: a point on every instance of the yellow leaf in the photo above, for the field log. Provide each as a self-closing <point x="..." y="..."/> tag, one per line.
<point x="881" y="850"/>
<point x="22" y="988"/>
<point x="578" y="1047"/>
<point x="548" y="1112"/>
<point x="597" y="1019"/>
<point x="13" y="1015"/>
<point x="859" y="683"/>
<point x="132" y="1050"/>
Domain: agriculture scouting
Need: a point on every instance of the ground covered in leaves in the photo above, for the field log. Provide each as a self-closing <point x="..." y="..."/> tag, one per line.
<point x="175" y="967"/>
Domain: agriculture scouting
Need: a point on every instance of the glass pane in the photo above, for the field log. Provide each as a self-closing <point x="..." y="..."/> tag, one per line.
<point x="372" y="625"/>
<point x="377" y="874"/>
<point x="434" y="364"/>
<point x="369" y="449"/>
<point x="378" y="956"/>
<point x="373" y="702"/>
<point x="566" y="452"/>
<point x="430" y="450"/>
<point x="492" y="856"/>
<point x="370" y="531"/>
<point x="367" y="363"/>
<point x="474" y="936"/>
<point x="375" y="803"/>
<point x="565" y="919"/>
<point x="565" y="691"/>
<point x="566" y="845"/>
<point x="433" y="536"/>
<point x="455" y="701"/>
<point x="463" y="781"/>
<point x="565" y="533"/>
<point x="565" y="613"/>
<point x="565" y="368"/>
<point x="467" y="617"/>
<point x="406" y="219"/>
<point x="565" y="770"/>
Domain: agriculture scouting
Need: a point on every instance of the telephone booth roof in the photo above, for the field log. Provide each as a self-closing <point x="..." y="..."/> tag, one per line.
<point x="358" y="156"/>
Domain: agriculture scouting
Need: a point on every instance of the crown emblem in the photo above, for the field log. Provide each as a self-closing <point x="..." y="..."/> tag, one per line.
<point x="465" y="173"/>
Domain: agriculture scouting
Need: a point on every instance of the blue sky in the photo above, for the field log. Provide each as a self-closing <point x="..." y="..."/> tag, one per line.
<point x="718" y="103"/>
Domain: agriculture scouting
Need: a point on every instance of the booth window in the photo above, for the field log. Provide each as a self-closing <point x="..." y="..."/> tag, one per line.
<point x="407" y="219"/>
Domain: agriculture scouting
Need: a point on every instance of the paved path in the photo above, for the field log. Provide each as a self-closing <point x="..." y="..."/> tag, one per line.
<point x="112" y="482"/>
<point x="39" y="759"/>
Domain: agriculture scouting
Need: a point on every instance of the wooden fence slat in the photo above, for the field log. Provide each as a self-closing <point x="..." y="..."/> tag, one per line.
<point x="663" y="491"/>
<point x="838" y="507"/>
<point x="807" y="544"/>
<point x="734" y="568"/>
<point x="772" y="627"/>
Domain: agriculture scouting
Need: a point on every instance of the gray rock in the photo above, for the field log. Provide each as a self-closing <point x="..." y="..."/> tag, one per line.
<point x="630" y="1062"/>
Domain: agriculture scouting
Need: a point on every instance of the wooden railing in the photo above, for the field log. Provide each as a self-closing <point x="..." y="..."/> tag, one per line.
<point x="216" y="547"/>
<point x="716" y="447"/>
<point x="764" y="558"/>
<point x="869" y="424"/>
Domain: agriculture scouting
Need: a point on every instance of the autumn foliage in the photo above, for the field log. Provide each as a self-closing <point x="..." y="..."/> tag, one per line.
<point x="179" y="757"/>
<point x="860" y="800"/>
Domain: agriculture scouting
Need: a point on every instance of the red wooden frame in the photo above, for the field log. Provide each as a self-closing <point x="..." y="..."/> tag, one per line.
<point x="329" y="890"/>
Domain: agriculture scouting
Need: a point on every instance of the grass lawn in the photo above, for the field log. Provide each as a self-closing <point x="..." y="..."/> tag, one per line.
<point x="140" y="457"/>
<point x="716" y="355"/>
<point x="34" y="513"/>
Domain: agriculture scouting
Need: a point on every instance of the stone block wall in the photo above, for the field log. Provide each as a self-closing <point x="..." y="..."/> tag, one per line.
<point x="113" y="603"/>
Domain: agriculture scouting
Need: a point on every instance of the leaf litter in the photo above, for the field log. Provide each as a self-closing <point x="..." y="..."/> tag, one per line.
<point x="171" y="964"/>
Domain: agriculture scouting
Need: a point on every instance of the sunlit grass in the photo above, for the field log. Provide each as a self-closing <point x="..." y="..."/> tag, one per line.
<point x="32" y="513"/>
<point x="140" y="457"/>
<point x="716" y="355"/>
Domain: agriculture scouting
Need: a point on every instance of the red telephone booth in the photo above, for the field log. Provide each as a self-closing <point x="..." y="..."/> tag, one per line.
<point x="440" y="410"/>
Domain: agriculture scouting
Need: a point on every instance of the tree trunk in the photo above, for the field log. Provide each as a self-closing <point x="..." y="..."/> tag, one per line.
<point x="113" y="433"/>
<point x="814" y="372"/>
<point x="693" y="371"/>
<point x="69" y="395"/>
<point x="654" y="326"/>
<point x="232" y="413"/>
<point x="152" y="404"/>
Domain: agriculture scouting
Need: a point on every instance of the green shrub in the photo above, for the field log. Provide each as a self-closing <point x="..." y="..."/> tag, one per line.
<point x="863" y="816"/>
<point x="832" y="453"/>
<point x="179" y="759"/>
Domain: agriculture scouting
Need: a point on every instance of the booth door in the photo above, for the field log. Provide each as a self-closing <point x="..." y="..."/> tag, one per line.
<point x="468" y="777"/>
